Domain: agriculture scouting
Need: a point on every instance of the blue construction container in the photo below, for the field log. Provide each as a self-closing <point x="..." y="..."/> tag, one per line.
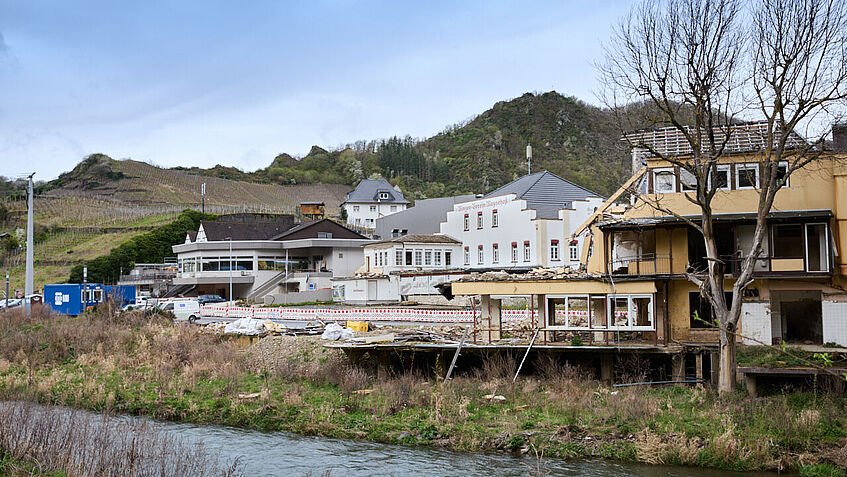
<point x="67" y="298"/>
<point x="121" y="294"/>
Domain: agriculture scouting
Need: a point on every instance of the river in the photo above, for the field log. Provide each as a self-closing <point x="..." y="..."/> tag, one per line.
<point x="282" y="453"/>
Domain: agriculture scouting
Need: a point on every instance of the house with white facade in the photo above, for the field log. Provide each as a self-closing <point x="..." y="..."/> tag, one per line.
<point x="370" y="200"/>
<point x="266" y="261"/>
<point x="401" y="269"/>
<point x="525" y="224"/>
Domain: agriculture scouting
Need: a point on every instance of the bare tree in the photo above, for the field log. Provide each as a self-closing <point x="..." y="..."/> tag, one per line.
<point x="705" y="64"/>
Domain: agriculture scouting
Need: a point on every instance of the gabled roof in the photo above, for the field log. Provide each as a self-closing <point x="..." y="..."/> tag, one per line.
<point x="424" y="218"/>
<point x="368" y="191"/>
<point x="311" y="229"/>
<point x="192" y="235"/>
<point x="545" y="192"/>
<point x="217" y="230"/>
<point x="745" y="137"/>
<point x="422" y="238"/>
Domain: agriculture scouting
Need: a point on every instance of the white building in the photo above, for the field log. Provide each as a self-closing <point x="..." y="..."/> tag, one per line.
<point x="522" y="225"/>
<point x="403" y="268"/>
<point x="372" y="199"/>
<point x="270" y="262"/>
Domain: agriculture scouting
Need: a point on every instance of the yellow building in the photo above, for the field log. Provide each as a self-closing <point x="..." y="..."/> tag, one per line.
<point x="634" y="290"/>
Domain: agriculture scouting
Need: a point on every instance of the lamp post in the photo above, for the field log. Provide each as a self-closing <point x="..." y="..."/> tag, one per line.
<point x="230" y="267"/>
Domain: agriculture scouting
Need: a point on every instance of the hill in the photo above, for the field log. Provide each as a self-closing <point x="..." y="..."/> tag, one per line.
<point x="573" y="139"/>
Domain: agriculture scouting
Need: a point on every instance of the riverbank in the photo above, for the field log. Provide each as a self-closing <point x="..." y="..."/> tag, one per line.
<point x="149" y="366"/>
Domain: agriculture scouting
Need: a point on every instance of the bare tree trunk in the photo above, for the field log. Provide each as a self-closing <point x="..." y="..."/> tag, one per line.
<point x="726" y="376"/>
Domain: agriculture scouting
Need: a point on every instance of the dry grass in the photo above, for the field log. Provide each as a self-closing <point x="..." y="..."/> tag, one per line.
<point x="83" y="444"/>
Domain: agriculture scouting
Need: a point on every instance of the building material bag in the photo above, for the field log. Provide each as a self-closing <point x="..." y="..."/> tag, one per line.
<point x="245" y="326"/>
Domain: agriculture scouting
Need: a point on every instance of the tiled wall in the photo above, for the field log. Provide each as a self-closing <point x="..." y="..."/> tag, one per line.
<point x="834" y="322"/>
<point x="756" y="323"/>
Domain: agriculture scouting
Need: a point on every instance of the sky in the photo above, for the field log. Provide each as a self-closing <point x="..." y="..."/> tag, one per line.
<point x="236" y="83"/>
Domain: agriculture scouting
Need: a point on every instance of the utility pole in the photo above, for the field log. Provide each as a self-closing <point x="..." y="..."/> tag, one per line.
<point x="203" y="198"/>
<point x="84" y="286"/>
<point x="29" y="287"/>
<point x="528" y="159"/>
<point x="230" y="268"/>
<point x="7" y="288"/>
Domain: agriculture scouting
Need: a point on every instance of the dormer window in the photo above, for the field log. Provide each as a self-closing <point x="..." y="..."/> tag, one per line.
<point x="383" y="196"/>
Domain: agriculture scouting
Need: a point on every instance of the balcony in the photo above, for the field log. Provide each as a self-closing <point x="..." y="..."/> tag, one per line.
<point x="642" y="264"/>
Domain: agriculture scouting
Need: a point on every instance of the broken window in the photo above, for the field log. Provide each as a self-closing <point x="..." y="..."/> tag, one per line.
<point x="787" y="241"/>
<point x="700" y="310"/>
<point x="664" y="181"/>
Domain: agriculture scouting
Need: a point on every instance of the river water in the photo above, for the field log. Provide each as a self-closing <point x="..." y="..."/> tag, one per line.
<point x="285" y="454"/>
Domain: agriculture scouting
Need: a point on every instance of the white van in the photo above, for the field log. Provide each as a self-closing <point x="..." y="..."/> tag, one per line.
<point x="183" y="309"/>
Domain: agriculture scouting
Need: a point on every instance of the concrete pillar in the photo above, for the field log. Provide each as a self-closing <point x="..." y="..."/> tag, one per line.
<point x="606" y="368"/>
<point x="541" y="301"/>
<point x="678" y="366"/>
<point x="698" y="365"/>
<point x="750" y="384"/>
<point x="491" y="318"/>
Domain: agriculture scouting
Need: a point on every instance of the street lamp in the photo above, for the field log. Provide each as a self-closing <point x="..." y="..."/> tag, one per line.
<point x="230" y="267"/>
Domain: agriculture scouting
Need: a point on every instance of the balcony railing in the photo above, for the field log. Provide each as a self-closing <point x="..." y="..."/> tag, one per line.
<point x="642" y="264"/>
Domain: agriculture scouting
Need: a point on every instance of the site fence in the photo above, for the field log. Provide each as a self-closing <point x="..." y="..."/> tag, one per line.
<point x="362" y="314"/>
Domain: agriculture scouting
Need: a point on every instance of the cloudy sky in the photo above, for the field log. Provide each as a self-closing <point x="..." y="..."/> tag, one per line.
<point x="236" y="83"/>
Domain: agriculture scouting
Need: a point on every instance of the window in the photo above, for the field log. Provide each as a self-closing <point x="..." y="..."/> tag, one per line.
<point x="746" y="176"/>
<point x="554" y="250"/>
<point x="480" y="256"/>
<point x="467" y="256"/>
<point x="664" y="181"/>
<point x="428" y="257"/>
<point x="418" y="258"/>
<point x="355" y="208"/>
<point x="478" y="220"/>
<point x="495" y="219"/>
<point x="781" y="173"/>
<point x="447" y="258"/>
<point x="394" y="208"/>
<point x="398" y="257"/>
<point x="378" y="259"/>
<point x="409" y="258"/>
<point x="687" y="181"/>
<point x="383" y="196"/>
<point x="631" y="311"/>
<point x="373" y="208"/>
<point x="817" y="248"/>
<point x="467" y="222"/>
<point x="700" y="310"/>
<point x="573" y="252"/>
<point x="358" y="221"/>
<point x="787" y="241"/>
<point x="568" y="312"/>
<point x="495" y="253"/>
<point x="514" y="251"/>
<point x="438" y="258"/>
<point x="324" y="234"/>
<point x="722" y="174"/>
<point x="526" y="253"/>
<point x="369" y="222"/>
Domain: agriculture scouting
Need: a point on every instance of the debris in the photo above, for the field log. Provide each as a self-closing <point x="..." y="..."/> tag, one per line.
<point x="494" y="397"/>
<point x="334" y="331"/>
<point x="245" y="326"/>
<point x="361" y="326"/>
<point x="362" y="391"/>
<point x="248" y="395"/>
<point x="379" y="339"/>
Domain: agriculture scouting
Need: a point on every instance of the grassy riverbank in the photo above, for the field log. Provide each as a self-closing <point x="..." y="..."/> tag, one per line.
<point x="148" y="366"/>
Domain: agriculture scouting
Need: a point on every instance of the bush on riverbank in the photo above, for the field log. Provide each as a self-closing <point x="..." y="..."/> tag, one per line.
<point x="152" y="367"/>
<point x="61" y="441"/>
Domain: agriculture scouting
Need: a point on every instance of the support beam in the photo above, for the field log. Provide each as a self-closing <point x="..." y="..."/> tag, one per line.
<point x="606" y="368"/>
<point x="678" y="366"/>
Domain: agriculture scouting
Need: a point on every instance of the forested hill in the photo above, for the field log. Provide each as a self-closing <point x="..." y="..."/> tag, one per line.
<point x="571" y="138"/>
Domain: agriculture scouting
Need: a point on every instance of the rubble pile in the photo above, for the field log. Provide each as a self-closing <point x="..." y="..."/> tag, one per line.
<point x="560" y="273"/>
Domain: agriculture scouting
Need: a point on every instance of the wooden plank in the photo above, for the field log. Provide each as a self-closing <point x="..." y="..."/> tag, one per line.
<point x="456" y="356"/>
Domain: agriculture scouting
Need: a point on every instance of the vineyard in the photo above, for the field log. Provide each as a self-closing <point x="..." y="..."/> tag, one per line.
<point x="90" y="211"/>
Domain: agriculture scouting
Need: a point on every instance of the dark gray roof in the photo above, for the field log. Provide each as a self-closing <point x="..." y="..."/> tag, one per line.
<point x="424" y="218"/>
<point x="421" y="238"/>
<point x="217" y="230"/>
<point x="545" y="192"/>
<point x="368" y="191"/>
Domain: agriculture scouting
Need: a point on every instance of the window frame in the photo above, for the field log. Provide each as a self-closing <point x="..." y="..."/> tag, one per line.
<point x="554" y="250"/>
<point x="495" y="253"/>
<point x="467" y="222"/>
<point x="515" y="252"/>
<point x="664" y="170"/>
<point x="467" y="256"/>
<point x="573" y="252"/>
<point x="480" y="255"/>
<point x="746" y="166"/>
<point x="495" y="219"/>
<point x="527" y="255"/>
<point x="479" y="221"/>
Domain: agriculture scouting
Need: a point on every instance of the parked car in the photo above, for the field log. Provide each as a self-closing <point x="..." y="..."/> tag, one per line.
<point x="183" y="309"/>
<point x="206" y="299"/>
<point x="13" y="302"/>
